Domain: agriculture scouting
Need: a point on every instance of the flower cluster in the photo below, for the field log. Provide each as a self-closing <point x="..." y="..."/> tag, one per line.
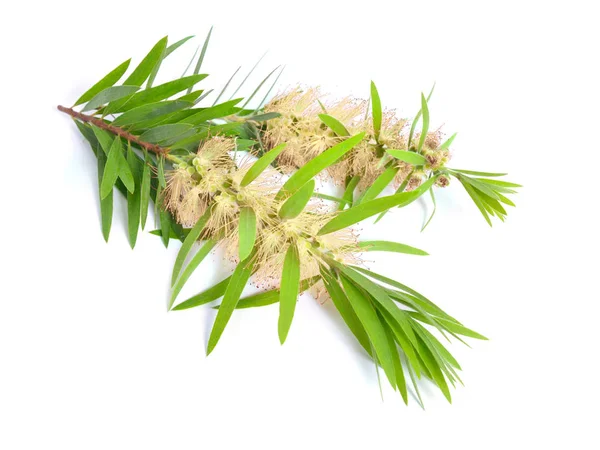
<point x="212" y="179"/>
<point x="307" y="136"/>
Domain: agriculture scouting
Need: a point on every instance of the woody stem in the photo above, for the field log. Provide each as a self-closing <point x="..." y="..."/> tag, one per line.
<point x="154" y="148"/>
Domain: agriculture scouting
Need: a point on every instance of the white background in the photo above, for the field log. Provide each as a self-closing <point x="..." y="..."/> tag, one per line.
<point x="90" y="359"/>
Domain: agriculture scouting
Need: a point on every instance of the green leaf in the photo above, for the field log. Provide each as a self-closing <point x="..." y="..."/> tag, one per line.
<point x="153" y="94"/>
<point x="331" y="198"/>
<point x="271" y="297"/>
<point x="473" y="194"/>
<point x="433" y="368"/>
<point x="189" y="269"/>
<point x="236" y="285"/>
<point x="425" y="127"/>
<point x="171" y="48"/>
<point x="264" y="99"/>
<point x="191" y="238"/>
<point x="214" y="112"/>
<point x="125" y="173"/>
<point x="143" y="70"/>
<point x="424" y="302"/>
<point x="133" y="199"/>
<point x="264" y="117"/>
<point x="349" y="192"/>
<point x="417" y="117"/>
<point x="162" y="133"/>
<point x="150" y="111"/>
<point x="480" y="174"/>
<point x="317" y="164"/>
<point x="296" y="203"/>
<point x="380" y="183"/>
<point x="247" y="232"/>
<point x="289" y="291"/>
<point x="202" y="54"/>
<point x="161" y="172"/>
<point x="207" y="296"/>
<point x="261" y="164"/>
<point x="373" y="327"/>
<point x="164" y="218"/>
<point x="247" y="76"/>
<point x="343" y="306"/>
<point x="259" y="86"/>
<point x="387" y="246"/>
<point x="226" y="86"/>
<point x="402" y="341"/>
<point x="500" y="183"/>
<point x="377" y="113"/>
<point x="380" y="296"/>
<point x="109" y="80"/>
<point x="447" y="143"/>
<point x="106" y="203"/>
<point x="400" y="380"/>
<point x="408" y="156"/>
<point x="432" y="212"/>
<point x="336" y="126"/>
<point x="111" y="169"/>
<point x="145" y="191"/>
<point x="108" y="95"/>
<point x="367" y="209"/>
<point x="452" y="327"/>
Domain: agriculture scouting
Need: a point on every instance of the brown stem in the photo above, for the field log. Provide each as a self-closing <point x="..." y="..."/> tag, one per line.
<point x="154" y="148"/>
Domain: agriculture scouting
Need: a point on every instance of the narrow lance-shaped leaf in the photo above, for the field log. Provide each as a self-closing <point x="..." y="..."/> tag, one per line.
<point x="214" y="112"/>
<point x="150" y="111"/>
<point x="145" y="190"/>
<point x="111" y="169"/>
<point x="106" y="203"/>
<point x="336" y="126"/>
<point x="372" y="325"/>
<point x="247" y="232"/>
<point x="247" y="76"/>
<point x="143" y="70"/>
<point x="187" y="245"/>
<point x="377" y="112"/>
<point x="226" y="86"/>
<point x="187" y="272"/>
<point x="261" y="164"/>
<point x="387" y="246"/>
<point x="264" y="99"/>
<point x="258" y="87"/>
<point x="417" y="118"/>
<point x="290" y="288"/>
<point x="296" y="203"/>
<point x="133" y="199"/>
<point x="448" y="142"/>
<point x="408" y="156"/>
<point x="400" y="380"/>
<point x="108" y="95"/>
<point x="204" y="297"/>
<point x="272" y="296"/>
<point x="425" y="127"/>
<point x="125" y="173"/>
<point x="343" y="306"/>
<point x="380" y="183"/>
<point x="317" y="164"/>
<point x="236" y="285"/>
<point x="432" y="212"/>
<point x="365" y="210"/>
<point x="153" y="94"/>
<point x="109" y="80"/>
<point x="202" y="54"/>
<point x="348" y="196"/>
